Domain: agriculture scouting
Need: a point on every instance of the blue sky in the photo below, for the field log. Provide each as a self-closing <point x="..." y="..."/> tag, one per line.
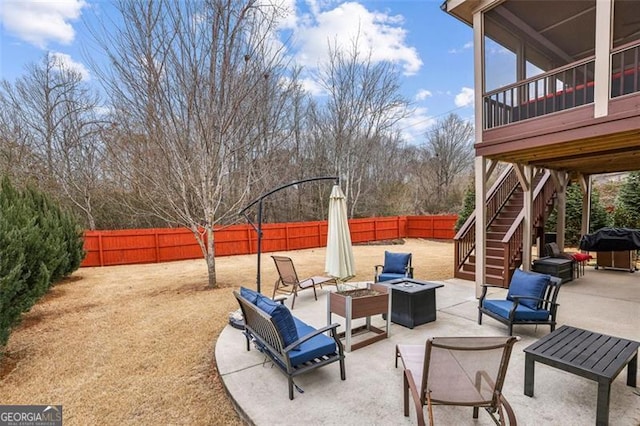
<point x="433" y="50"/>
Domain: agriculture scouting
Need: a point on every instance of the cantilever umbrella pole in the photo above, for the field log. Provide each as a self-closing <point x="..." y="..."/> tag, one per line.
<point x="258" y="227"/>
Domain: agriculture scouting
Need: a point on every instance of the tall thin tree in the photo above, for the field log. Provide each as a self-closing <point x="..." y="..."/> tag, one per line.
<point x="197" y="101"/>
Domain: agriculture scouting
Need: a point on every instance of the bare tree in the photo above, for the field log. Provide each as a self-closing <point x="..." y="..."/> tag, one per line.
<point x="55" y="129"/>
<point x="364" y="104"/>
<point x="445" y="160"/>
<point x="17" y="158"/>
<point x="198" y="99"/>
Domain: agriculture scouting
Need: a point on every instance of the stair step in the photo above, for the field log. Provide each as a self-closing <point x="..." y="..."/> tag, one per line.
<point x="494" y="243"/>
<point x="465" y="275"/>
<point x="494" y="252"/>
<point x="490" y="269"/>
<point x="496" y="236"/>
<point x="471" y="276"/>
<point x="491" y="260"/>
<point x="510" y="216"/>
<point x="494" y="279"/>
<point x="493" y="270"/>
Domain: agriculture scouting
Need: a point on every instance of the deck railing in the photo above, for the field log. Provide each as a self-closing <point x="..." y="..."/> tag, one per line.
<point x="625" y="70"/>
<point x="497" y="197"/>
<point x="512" y="241"/>
<point x="556" y="90"/>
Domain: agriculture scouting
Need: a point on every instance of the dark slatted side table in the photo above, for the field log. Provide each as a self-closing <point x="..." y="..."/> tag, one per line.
<point x="595" y="356"/>
<point x="555" y="266"/>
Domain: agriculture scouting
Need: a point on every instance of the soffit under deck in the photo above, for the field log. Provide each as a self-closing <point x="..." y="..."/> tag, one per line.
<point x="613" y="153"/>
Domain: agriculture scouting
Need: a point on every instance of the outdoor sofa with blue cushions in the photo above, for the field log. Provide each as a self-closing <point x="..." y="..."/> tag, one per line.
<point x="292" y="345"/>
<point x="396" y="265"/>
<point x="531" y="300"/>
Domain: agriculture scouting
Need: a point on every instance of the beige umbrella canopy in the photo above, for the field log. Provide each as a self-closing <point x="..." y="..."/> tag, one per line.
<point x="339" y="262"/>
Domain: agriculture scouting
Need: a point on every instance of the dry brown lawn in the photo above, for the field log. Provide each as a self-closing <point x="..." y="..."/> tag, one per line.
<point x="135" y="344"/>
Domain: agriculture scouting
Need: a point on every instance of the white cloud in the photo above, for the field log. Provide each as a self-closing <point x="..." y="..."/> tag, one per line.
<point x="312" y="87"/>
<point x="64" y="61"/>
<point x="414" y="127"/>
<point x="41" y="22"/>
<point x="287" y="8"/>
<point x="423" y="94"/>
<point x="468" y="45"/>
<point x="465" y="97"/>
<point x="376" y="32"/>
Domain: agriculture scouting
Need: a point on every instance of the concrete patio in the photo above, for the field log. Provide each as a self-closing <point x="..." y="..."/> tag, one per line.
<point x="603" y="301"/>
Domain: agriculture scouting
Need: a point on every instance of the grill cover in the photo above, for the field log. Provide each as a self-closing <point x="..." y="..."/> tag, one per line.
<point x="611" y="239"/>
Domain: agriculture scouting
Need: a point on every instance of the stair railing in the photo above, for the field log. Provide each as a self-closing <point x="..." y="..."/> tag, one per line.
<point x="512" y="241"/>
<point x="497" y="197"/>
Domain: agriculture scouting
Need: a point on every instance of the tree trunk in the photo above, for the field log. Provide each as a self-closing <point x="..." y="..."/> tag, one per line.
<point x="211" y="261"/>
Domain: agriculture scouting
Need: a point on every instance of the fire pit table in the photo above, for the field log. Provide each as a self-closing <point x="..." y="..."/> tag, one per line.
<point x="413" y="302"/>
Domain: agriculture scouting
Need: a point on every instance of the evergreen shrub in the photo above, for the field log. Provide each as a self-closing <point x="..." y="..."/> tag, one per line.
<point x="573" y="217"/>
<point x="39" y="244"/>
<point x="627" y="210"/>
<point x="468" y="207"/>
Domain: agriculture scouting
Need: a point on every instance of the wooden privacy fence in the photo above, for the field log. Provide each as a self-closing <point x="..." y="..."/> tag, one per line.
<point x="106" y="248"/>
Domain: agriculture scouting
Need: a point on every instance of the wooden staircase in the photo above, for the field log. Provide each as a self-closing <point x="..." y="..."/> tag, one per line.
<point x="505" y="216"/>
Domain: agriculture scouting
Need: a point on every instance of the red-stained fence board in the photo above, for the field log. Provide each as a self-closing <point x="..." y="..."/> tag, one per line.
<point x="131" y="246"/>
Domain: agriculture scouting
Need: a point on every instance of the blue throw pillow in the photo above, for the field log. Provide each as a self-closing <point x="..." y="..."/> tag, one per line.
<point x="250" y="295"/>
<point x="528" y="284"/>
<point x="396" y="263"/>
<point x="281" y="316"/>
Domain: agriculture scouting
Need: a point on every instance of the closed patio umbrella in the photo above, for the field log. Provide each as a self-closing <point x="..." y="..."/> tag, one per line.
<point x="339" y="262"/>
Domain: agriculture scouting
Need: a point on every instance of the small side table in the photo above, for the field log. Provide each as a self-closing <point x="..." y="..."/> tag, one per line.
<point x="555" y="266"/>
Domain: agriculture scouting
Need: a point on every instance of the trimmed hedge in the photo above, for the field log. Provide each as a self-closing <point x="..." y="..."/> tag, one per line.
<point x="39" y="244"/>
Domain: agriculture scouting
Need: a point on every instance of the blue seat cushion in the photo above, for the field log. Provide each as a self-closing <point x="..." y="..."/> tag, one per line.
<point x="523" y="313"/>
<point x="396" y="263"/>
<point x="529" y="284"/>
<point x="315" y="347"/>
<point x="387" y="276"/>
<point x="250" y="295"/>
<point x="282" y="318"/>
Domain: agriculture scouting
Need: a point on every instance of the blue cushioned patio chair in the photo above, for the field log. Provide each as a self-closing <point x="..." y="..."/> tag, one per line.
<point x="396" y="265"/>
<point x="531" y="300"/>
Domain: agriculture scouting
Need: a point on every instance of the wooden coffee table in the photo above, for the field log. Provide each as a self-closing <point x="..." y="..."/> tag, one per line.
<point x="595" y="356"/>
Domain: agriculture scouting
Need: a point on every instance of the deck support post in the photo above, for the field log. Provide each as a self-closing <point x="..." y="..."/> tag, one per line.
<point x="560" y="180"/>
<point x="525" y="176"/>
<point x="603" y="58"/>
<point x="481" y="220"/>
<point x="585" y="184"/>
